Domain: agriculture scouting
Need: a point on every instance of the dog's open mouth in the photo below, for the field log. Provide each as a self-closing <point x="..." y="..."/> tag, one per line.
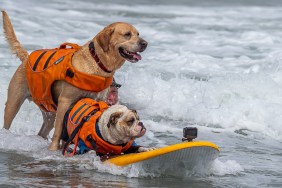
<point x="133" y="57"/>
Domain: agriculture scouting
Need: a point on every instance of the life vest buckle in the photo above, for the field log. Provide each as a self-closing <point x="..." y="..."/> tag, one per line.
<point x="69" y="73"/>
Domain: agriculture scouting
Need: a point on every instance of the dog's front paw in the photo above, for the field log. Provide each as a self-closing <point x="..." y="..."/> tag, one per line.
<point x="143" y="149"/>
<point x="54" y="146"/>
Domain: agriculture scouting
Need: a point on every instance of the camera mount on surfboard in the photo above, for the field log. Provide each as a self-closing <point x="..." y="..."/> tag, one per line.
<point x="189" y="133"/>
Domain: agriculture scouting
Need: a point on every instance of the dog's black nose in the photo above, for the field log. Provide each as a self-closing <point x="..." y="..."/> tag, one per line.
<point x="143" y="44"/>
<point x="141" y="125"/>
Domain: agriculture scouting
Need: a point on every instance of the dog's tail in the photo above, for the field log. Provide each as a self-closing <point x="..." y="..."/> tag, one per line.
<point x="12" y="40"/>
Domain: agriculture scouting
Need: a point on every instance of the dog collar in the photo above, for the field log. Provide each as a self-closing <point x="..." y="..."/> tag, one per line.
<point x="96" y="58"/>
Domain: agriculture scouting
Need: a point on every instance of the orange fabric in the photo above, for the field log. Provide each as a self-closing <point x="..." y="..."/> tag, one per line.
<point x="48" y="65"/>
<point x="83" y="108"/>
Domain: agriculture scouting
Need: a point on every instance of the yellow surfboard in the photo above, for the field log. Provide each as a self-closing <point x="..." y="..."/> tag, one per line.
<point x="189" y="154"/>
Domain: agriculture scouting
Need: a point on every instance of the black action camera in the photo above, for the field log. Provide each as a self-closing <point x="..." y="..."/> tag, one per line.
<point x="189" y="133"/>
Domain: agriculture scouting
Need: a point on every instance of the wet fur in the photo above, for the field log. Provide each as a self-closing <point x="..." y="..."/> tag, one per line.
<point x="107" y="42"/>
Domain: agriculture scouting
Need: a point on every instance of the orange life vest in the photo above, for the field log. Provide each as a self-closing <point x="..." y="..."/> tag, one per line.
<point x="81" y="124"/>
<point x="45" y="66"/>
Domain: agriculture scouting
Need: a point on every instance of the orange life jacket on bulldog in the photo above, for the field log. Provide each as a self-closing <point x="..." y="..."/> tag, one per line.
<point x="45" y="66"/>
<point x="81" y="124"/>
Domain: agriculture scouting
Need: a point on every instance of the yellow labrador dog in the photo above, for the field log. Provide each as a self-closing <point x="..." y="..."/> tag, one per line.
<point x="101" y="57"/>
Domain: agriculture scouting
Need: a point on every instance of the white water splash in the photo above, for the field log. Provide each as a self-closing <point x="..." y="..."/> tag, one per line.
<point x="229" y="167"/>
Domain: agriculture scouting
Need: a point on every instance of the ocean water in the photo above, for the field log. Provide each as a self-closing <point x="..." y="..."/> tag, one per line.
<point x="215" y="65"/>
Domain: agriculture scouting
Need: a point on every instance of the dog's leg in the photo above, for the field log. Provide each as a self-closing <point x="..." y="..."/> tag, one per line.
<point x="63" y="106"/>
<point x="17" y="93"/>
<point x="48" y="124"/>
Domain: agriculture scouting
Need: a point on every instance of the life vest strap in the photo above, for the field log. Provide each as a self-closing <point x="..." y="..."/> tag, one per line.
<point x="65" y="135"/>
<point x="92" y="142"/>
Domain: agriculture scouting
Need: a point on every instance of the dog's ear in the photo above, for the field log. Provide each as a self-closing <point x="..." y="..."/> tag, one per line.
<point x="134" y="111"/>
<point x="103" y="38"/>
<point x="114" y="118"/>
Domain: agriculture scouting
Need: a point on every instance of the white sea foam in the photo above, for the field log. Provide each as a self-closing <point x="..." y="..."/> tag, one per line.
<point x="229" y="167"/>
<point x="21" y="143"/>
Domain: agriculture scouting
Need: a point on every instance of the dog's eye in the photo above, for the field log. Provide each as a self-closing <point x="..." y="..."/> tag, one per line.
<point x="131" y="121"/>
<point x="128" y="34"/>
<point x="138" y="34"/>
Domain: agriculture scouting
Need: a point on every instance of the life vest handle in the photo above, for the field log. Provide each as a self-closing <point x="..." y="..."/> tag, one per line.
<point x="73" y="46"/>
<point x="76" y="131"/>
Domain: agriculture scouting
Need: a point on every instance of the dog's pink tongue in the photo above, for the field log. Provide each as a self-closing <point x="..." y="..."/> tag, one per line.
<point x="137" y="56"/>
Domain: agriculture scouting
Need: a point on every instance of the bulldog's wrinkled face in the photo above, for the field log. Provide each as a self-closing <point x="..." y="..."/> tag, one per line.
<point x="118" y="125"/>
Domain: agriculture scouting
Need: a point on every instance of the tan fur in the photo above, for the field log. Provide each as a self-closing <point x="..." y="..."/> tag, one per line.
<point x="107" y="44"/>
<point x="13" y="42"/>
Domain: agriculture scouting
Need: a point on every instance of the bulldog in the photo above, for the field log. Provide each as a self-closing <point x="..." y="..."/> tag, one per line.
<point x="92" y="125"/>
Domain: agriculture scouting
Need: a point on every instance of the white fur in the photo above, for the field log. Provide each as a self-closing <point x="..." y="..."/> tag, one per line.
<point x="114" y="135"/>
<point x="118" y="133"/>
